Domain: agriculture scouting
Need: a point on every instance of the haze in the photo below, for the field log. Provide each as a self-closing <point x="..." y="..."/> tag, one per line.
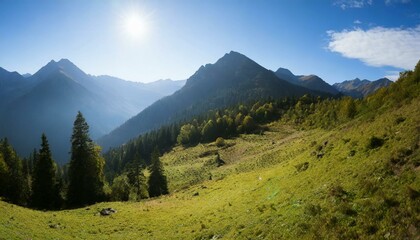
<point x="150" y="40"/>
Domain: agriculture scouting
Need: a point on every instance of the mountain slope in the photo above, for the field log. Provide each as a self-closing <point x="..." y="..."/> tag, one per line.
<point x="12" y="85"/>
<point x="232" y="79"/>
<point x="312" y="82"/>
<point x="48" y="102"/>
<point x="50" y="108"/>
<point x="286" y="74"/>
<point x="361" y="88"/>
<point x="262" y="192"/>
<point x="316" y="83"/>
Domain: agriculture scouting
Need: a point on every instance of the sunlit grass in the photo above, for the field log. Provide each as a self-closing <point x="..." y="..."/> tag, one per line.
<point x="262" y="192"/>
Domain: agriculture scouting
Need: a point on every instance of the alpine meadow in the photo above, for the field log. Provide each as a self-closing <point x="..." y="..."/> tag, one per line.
<point x="303" y="121"/>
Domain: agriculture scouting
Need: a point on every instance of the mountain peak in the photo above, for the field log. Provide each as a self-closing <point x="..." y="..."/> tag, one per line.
<point x="6" y="75"/>
<point x="64" y="66"/>
<point x="286" y="74"/>
<point x="231" y="68"/>
<point x="359" y="88"/>
<point x="236" y="55"/>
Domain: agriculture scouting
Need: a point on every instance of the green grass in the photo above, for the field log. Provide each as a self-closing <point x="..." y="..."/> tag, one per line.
<point x="346" y="190"/>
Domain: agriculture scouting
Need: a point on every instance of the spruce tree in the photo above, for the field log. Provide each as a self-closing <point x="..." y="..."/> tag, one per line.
<point x="86" y="176"/>
<point x="4" y="170"/>
<point x="158" y="184"/>
<point x="44" y="178"/>
<point x="14" y="190"/>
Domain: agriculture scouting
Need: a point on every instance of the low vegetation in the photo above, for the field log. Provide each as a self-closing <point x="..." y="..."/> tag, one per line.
<point x="330" y="169"/>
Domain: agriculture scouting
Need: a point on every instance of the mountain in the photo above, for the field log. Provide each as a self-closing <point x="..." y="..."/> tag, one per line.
<point x="12" y="85"/>
<point x="286" y="74"/>
<point x="48" y="102"/>
<point x="312" y="82"/>
<point x="234" y="78"/>
<point x="316" y="83"/>
<point x="354" y="178"/>
<point x="165" y="86"/>
<point x="360" y="88"/>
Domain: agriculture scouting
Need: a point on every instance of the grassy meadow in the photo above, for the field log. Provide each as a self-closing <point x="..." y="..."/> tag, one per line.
<point x="359" y="180"/>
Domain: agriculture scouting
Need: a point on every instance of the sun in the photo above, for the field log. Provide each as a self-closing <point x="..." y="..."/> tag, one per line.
<point x="135" y="25"/>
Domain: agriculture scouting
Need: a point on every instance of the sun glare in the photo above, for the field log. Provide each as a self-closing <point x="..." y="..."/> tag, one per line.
<point x="135" y="26"/>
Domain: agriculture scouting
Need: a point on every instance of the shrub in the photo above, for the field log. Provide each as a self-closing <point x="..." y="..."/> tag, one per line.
<point x="302" y="166"/>
<point x="399" y="120"/>
<point x="312" y="210"/>
<point x="375" y="142"/>
<point x="220" y="142"/>
<point x="338" y="192"/>
<point x="120" y="189"/>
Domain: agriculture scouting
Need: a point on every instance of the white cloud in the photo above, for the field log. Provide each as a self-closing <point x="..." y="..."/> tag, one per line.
<point x="390" y="2"/>
<point x="357" y="21"/>
<point x="344" y="4"/>
<point x="378" y="46"/>
<point x="392" y="75"/>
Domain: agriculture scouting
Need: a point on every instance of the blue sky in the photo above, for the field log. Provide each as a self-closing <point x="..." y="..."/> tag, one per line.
<point x="335" y="39"/>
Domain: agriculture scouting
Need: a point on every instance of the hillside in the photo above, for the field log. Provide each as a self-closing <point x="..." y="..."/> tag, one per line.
<point x="12" y="85"/>
<point x="233" y="79"/>
<point x="358" y="180"/>
<point x="50" y="99"/>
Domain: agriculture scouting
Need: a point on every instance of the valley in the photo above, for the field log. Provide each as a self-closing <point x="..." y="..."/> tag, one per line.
<point x="272" y="186"/>
<point x="210" y="120"/>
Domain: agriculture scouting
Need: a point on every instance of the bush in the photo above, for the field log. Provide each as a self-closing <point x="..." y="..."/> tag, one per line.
<point x="120" y="189"/>
<point x="220" y="142"/>
<point x="399" y="120"/>
<point x="302" y="166"/>
<point x="312" y="210"/>
<point x="375" y="142"/>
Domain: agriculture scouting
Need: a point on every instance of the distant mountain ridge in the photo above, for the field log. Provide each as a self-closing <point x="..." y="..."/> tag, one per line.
<point x="48" y="101"/>
<point x="234" y="78"/>
<point x="361" y="88"/>
<point x="312" y="82"/>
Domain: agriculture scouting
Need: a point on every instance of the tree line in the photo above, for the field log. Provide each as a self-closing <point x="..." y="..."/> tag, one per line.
<point x="304" y="112"/>
<point x="119" y="174"/>
<point x="38" y="182"/>
<point x="226" y="123"/>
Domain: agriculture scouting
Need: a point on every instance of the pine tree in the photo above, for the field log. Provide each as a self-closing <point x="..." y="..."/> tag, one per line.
<point x="15" y="183"/>
<point x="44" y="178"/>
<point x="4" y="170"/>
<point x="158" y="184"/>
<point x="86" y="176"/>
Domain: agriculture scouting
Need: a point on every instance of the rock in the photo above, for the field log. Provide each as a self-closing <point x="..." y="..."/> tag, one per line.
<point x="196" y="194"/>
<point x="107" y="211"/>
<point x="55" y="226"/>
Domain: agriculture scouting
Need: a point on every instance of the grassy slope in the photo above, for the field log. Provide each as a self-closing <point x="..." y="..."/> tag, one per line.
<point x="260" y="194"/>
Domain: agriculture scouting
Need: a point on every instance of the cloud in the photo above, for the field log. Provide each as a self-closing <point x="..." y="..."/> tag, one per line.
<point x="390" y="2"/>
<point x="378" y="46"/>
<point x="344" y="4"/>
<point x="392" y="75"/>
<point x="357" y="21"/>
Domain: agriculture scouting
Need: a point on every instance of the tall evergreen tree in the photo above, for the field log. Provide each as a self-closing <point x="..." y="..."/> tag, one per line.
<point x="158" y="184"/>
<point x="86" y="176"/>
<point x="15" y="182"/>
<point x="4" y="171"/>
<point x="44" y="178"/>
